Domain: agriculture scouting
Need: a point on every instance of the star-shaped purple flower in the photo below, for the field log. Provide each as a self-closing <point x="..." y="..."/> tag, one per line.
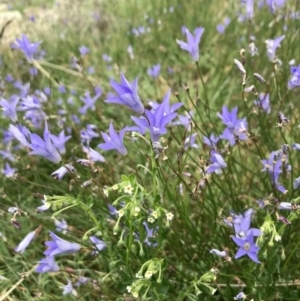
<point x="246" y="247"/>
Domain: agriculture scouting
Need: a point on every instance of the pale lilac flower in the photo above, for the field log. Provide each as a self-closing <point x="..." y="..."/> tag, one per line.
<point x="9" y="108"/>
<point x="25" y="242"/>
<point x="93" y="155"/>
<point x="264" y="102"/>
<point x="154" y="71"/>
<point x="157" y="120"/>
<point x="275" y="4"/>
<point x="8" y="171"/>
<point x="222" y="26"/>
<point x="60" y="141"/>
<point x="127" y="94"/>
<point x="99" y="244"/>
<point x="83" y="50"/>
<point x="68" y="289"/>
<point x="88" y="133"/>
<point x="192" y="45"/>
<point x="28" y="48"/>
<point x="249" y="9"/>
<point x="211" y="141"/>
<point x="106" y="58"/>
<point x="82" y="280"/>
<point x="62" y="89"/>
<point x="89" y="102"/>
<point x="61" y="226"/>
<point x="47" y="264"/>
<point x="294" y="82"/>
<point x="287" y="206"/>
<point x="240" y="296"/>
<point x="296" y="183"/>
<point x="20" y="133"/>
<point x="114" y="140"/>
<point x="33" y="71"/>
<point x="62" y="171"/>
<point x="44" y="148"/>
<point x="46" y="205"/>
<point x="229" y="118"/>
<point x="217" y="163"/>
<point x="6" y="154"/>
<point x="60" y="246"/>
<point x="272" y="45"/>
<point x="242" y="226"/>
<point x="24" y="89"/>
<point x="9" y="78"/>
<point x="238" y="133"/>
<point x="246" y="247"/>
<point x="150" y="234"/>
<point x="190" y="141"/>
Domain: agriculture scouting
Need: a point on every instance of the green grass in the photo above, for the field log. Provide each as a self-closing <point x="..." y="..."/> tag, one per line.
<point x="183" y="248"/>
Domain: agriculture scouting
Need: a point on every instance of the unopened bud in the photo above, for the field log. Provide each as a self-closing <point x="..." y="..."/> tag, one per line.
<point x="240" y="66"/>
<point x="259" y="78"/>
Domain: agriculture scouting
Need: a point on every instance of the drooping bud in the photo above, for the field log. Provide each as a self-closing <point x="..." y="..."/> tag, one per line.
<point x="259" y="78"/>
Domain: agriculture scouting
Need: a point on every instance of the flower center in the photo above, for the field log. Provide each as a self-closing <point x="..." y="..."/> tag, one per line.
<point x="246" y="246"/>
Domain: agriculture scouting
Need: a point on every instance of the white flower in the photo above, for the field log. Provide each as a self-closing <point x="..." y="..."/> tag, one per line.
<point x="128" y="189"/>
<point x="169" y="216"/>
<point x="148" y="274"/>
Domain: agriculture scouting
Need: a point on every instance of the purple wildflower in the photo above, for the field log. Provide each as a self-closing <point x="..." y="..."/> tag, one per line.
<point x="60" y="246"/>
<point x="61" y="226"/>
<point x="211" y="141"/>
<point x="89" y="102"/>
<point x="154" y="71"/>
<point x="68" y="289"/>
<point x="25" y="242"/>
<point x="60" y="141"/>
<point x="93" y="155"/>
<point x="46" y="205"/>
<point x="217" y="163"/>
<point x="83" y="50"/>
<point x="246" y="247"/>
<point x="192" y="45"/>
<point x="240" y="296"/>
<point x="150" y="234"/>
<point x="99" y="244"/>
<point x="10" y="108"/>
<point x="156" y="120"/>
<point x="88" y="134"/>
<point x="8" y="171"/>
<point x="287" y="206"/>
<point x="275" y="4"/>
<point x="47" y="264"/>
<point x="28" y="48"/>
<point x="106" y="58"/>
<point x="296" y="183"/>
<point x="20" y="133"/>
<point x="44" y="148"/>
<point x="264" y="102"/>
<point x="190" y="141"/>
<point x="82" y="280"/>
<point x="249" y="9"/>
<point x="61" y="172"/>
<point x="272" y="45"/>
<point x="114" y="140"/>
<point x="229" y="118"/>
<point x="62" y="89"/>
<point x="33" y="71"/>
<point x="6" y="154"/>
<point x="127" y="94"/>
<point x="294" y="82"/>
